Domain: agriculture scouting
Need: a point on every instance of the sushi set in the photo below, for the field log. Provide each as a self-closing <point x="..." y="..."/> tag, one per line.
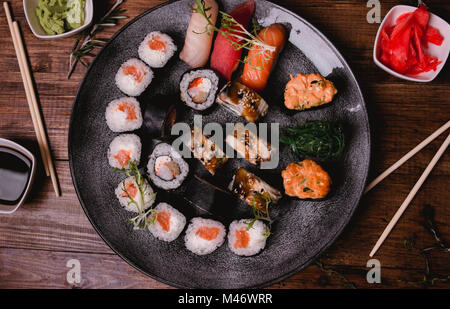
<point x="211" y="219"/>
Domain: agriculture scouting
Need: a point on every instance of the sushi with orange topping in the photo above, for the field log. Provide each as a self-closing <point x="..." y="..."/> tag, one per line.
<point x="124" y="149"/>
<point x="247" y="240"/>
<point x="204" y="236"/>
<point x="123" y="115"/>
<point x="133" y="77"/>
<point x="156" y="49"/>
<point x="132" y="198"/>
<point x="168" y="223"/>
<point x="198" y="88"/>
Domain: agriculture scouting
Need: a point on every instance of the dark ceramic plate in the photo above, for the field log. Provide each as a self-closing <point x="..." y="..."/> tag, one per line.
<point x="302" y="229"/>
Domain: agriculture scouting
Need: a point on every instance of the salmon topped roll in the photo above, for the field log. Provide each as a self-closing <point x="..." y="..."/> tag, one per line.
<point x="124" y="149"/>
<point x="247" y="240"/>
<point x="123" y="114"/>
<point x="308" y="90"/>
<point x="168" y="223"/>
<point x="133" y="77"/>
<point x="133" y="198"/>
<point x="156" y="49"/>
<point x="306" y="179"/>
<point x="204" y="236"/>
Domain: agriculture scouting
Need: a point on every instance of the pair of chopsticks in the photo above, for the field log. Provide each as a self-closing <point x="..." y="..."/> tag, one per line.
<point x="418" y="184"/>
<point x="31" y="99"/>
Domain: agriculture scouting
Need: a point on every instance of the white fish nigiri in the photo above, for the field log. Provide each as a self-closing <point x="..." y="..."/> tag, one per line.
<point x="197" y="44"/>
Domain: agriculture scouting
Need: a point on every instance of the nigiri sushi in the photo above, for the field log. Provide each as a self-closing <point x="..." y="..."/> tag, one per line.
<point x="225" y="58"/>
<point x="260" y="63"/>
<point x="197" y="44"/>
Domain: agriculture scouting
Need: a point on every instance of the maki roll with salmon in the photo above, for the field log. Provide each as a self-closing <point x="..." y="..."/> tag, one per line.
<point x="133" y="198"/>
<point x="166" y="168"/>
<point x="242" y="101"/>
<point x="124" y="149"/>
<point x="204" y="236"/>
<point x="198" y="89"/>
<point x="133" y="77"/>
<point x="156" y="49"/>
<point x="123" y="115"/>
<point x="160" y="114"/>
<point x="246" y="241"/>
<point x="253" y="190"/>
<point x="168" y="223"/>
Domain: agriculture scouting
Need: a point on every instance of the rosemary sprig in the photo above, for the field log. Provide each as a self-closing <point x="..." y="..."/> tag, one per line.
<point x="235" y="33"/>
<point x="323" y="140"/>
<point x="91" y="42"/>
<point x="144" y="218"/>
<point x="260" y="215"/>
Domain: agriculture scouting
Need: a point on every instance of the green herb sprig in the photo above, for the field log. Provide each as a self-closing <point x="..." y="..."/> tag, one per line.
<point x="144" y="218"/>
<point x="91" y="42"/>
<point x="320" y="139"/>
<point x="235" y="33"/>
<point x="260" y="215"/>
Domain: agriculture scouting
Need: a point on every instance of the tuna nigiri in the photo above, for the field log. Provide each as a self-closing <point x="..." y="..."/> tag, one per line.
<point x="197" y="44"/>
<point x="225" y="58"/>
<point x="260" y="63"/>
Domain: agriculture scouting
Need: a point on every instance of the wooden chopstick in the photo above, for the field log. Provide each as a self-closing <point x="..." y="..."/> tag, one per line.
<point x="31" y="99"/>
<point x="407" y="156"/>
<point x="410" y="196"/>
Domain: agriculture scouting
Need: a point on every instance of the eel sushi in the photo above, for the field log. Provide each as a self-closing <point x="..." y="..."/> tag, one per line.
<point x="160" y="115"/>
<point x="156" y="49"/>
<point x="246" y="241"/>
<point x="225" y="58"/>
<point x="205" y="150"/>
<point x="133" y="77"/>
<point x="261" y="63"/>
<point x="249" y="146"/>
<point x="253" y="190"/>
<point x="131" y="198"/>
<point x="204" y="236"/>
<point x="166" y="168"/>
<point x="123" y="115"/>
<point x="168" y="222"/>
<point x="198" y="42"/>
<point x="242" y="101"/>
<point x="124" y="149"/>
<point x="198" y="88"/>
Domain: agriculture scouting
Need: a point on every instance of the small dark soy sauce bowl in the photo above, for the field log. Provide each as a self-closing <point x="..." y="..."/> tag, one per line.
<point x="17" y="171"/>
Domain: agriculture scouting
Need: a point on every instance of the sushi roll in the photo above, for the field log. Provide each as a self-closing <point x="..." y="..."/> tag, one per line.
<point x="198" y="89"/>
<point x="253" y="190"/>
<point x="248" y="145"/>
<point x="133" y="77"/>
<point x="166" y="168"/>
<point x="123" y="115"/>
<point x="168" y="224"/>
<point x="160" y="114"/>
<point x="204" y="236"/>
<point x="156" y="49"/>
<point x="242" y="101"/>
<point x="246" y="241"/>
<point x="129" y="195"/>
<point x="205" y="150"/>
<point x="124" y="149"/>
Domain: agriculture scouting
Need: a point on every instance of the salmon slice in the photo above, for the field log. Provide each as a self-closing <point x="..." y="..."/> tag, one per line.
<point x="163" y="218"/>
<point x="308" y="90"/>
<point x="259" y="66"/>
<point x="242" y="239"/>
<point x="136" y="73"/>
<point x="225" y="58"/>
<point x="123" y="156"/>
<point x="306" y="179"/>
<point x="130" y="189"/>
<point x="129" y="109"/>
<point x="197" y="44"/>
<point x="207" y="233"/>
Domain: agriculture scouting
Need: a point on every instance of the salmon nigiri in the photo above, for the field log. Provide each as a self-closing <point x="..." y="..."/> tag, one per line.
<point x="260" y="64"/>
<point x="225" y="58"/>
<point x="197" y="44"/>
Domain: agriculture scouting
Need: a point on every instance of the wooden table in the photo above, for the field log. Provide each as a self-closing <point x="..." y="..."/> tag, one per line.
<point x="37" y="241"/>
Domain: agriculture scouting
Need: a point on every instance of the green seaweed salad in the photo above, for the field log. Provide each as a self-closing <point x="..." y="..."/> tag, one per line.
<point x="59" y="16"/>
<point x="319" y="139"/>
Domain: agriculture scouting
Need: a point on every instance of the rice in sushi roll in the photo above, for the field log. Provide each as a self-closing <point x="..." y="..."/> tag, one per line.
<point x="124" y="149"/>
<point x="203" y="236"/>
<point x="156" y="49"/>
<point x="123" y="115"/>
<point x="244" y="241"/>
<point x="130" y="196"/>
<point x="166" y="168"/>
<point x="198" y="88"/>
<point x="133" y="77"/>
<point x="168" y="224"/>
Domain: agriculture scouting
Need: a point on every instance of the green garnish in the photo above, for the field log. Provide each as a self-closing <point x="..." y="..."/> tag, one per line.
<point x="235" y="33"/>
<point x="323" y="140"/>
<point x="260" y="215"/>
<point x="144" y="218"/>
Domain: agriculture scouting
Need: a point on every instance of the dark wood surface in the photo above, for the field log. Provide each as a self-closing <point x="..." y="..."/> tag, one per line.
<point x="37" y="241"/>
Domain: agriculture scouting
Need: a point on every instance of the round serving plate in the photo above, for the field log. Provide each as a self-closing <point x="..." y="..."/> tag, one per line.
<point x="302" y="229"/>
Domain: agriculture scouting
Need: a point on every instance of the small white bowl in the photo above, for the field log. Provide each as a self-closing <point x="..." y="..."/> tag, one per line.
<point x="440" y="52"/>
<point x="33" y="21"/>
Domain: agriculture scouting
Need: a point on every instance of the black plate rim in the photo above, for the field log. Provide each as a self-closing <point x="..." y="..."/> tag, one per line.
<point x="174" y="284"/>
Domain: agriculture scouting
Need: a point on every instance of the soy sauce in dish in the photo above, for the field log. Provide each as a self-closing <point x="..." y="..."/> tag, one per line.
<point x="15" y="169"/>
